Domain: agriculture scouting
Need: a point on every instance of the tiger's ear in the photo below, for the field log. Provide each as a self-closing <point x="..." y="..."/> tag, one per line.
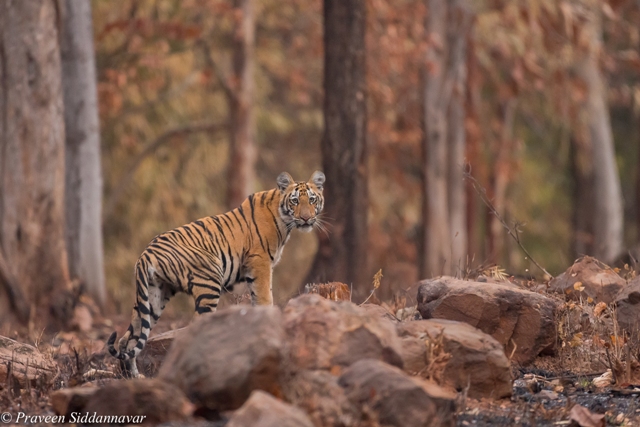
<point x="284" y="180"/>
<point x="318" y="179"/>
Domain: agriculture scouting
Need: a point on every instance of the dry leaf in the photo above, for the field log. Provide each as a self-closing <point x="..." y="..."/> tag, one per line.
<point x="585" y="418"/>
<point x="599" y="309"/>
<point x="578" y="286"/>
<point x="376" y="279"/>
<point x="604" y="380"/>
<point x="576" y="341"/>
<point x="617" y="340"/>
<point x="589" y="300"/>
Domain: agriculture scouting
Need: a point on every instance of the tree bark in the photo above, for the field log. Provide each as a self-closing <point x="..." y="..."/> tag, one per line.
<point x="608" y="210"/>
<point x="582" y="171"/>
<point x="343" y="256"/>
<point x="83" y="190"/>
<point x="459" y="21"/>
<point x="241" y="172"/>
<point x="435" y="237"/>
<point x="32" y="153"/>
<point x="444" y="239"/>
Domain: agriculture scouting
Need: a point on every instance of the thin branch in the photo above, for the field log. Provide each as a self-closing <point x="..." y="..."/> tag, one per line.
<point x="210" y="63"/>
<point x="513" y="232"/>
<point x="149" y="149"/>
<point x="613" y="371"/>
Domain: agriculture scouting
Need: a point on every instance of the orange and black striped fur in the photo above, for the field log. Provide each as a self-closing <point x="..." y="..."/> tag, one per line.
<point x="210" y="255"/>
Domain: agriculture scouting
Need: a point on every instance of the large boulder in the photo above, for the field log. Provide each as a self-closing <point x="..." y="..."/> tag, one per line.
<point x="155" y="350"/>
<point x="264" y="410"/>
<point x="628" y="307"/>
<point x="476" y="360"/>
<point x="222" y="357"/>
<point x="522" y="321"/>
<point x="380" y="311"/>
<point x="68" y="400"/>
<point x="390" y="397"/>
<point x="323" y="334"/>
<point x="23" y="365"/>
<point x="317" y="393"/>
<point x="152" y="401"/>
<point x="588" y="277"/>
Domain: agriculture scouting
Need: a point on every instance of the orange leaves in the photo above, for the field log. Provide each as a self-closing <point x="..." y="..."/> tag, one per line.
<point x="599" y="309"/>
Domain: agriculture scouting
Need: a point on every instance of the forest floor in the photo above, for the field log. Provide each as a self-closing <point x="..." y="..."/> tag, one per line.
<point x="543" y="393"/>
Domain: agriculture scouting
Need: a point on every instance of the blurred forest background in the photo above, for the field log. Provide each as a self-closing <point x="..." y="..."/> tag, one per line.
<point x="201" y="102"/>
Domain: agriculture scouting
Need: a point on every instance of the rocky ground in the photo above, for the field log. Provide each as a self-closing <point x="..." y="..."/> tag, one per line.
<point x="493" y="351"/>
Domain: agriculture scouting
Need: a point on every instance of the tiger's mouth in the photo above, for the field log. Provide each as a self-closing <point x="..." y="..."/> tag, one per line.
<point x="305" y="226"/>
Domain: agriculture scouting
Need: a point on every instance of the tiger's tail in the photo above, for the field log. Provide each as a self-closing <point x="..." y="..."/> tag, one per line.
<point x="141" y="312"/>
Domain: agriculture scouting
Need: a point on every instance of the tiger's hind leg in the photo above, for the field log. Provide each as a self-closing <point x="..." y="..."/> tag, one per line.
<point x="206" y="295"/>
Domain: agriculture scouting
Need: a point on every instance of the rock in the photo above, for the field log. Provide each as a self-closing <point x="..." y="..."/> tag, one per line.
<point x="509" y="314"/>
<point x="155" y="350"/>
<point x="392" y="398"/>
<point x="222" y="357"/>
<point x="319" y="395"/>
<point x="380" y="311"/>
<point x="334" y="291"/>
<point x="628" y="307"/>
<point x="476" y="359"/>
<point x="155" y="399"/>
<point x="599" y="281"/>
<point x="264" y="410"/>
<point x="68" y="400"/>
<point x="23" y="363"/>
<point x="322" y="334"/>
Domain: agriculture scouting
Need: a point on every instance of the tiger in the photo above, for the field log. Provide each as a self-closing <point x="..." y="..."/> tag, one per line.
<point x="209" y="256"/>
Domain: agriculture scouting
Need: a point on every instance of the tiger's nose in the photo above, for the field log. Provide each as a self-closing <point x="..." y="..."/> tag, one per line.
<point x="305" y="217"/>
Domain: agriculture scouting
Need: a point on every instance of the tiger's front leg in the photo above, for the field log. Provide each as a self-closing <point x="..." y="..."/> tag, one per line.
<point x="259" y="279"/>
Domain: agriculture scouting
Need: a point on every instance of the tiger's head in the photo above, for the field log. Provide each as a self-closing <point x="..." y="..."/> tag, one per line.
<point x="301" y="202"/>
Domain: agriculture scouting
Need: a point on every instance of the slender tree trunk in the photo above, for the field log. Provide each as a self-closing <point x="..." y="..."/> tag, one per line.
<point x="32" y="152"/>
<point x="444" y="237"/>
<point x="638" y="183"/>
<point x="474" y="155"/>
<point x="343" y="256"/>
<point x="83" y="192"/>
<point x="458" y="26"/>
<point x="436" y="240"/>
<point x="500" y="175"/>
<point x="241" y="172"/>
<point x="582" y="171"/>
<point x="608" y="210"/>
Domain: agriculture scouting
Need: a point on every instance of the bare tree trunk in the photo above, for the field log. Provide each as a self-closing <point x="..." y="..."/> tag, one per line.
<point x="83" y="195"/>
<point x="608" y="210"/>
<point x="241" y="172"/>
<point x="458" y="26"/>
<point x="436" y="239"/>
<point x="582" y="171"/>
<point x="638" y="184"/>
<point x="475" y="248"/>
<point x="500" y="181"/>
<point x="444" y="237"/>
<point x="343" y="257"/>
<point x="32" y="154"/>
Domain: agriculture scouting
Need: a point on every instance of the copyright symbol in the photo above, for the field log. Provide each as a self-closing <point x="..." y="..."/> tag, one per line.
<point x="6" y="417"/>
